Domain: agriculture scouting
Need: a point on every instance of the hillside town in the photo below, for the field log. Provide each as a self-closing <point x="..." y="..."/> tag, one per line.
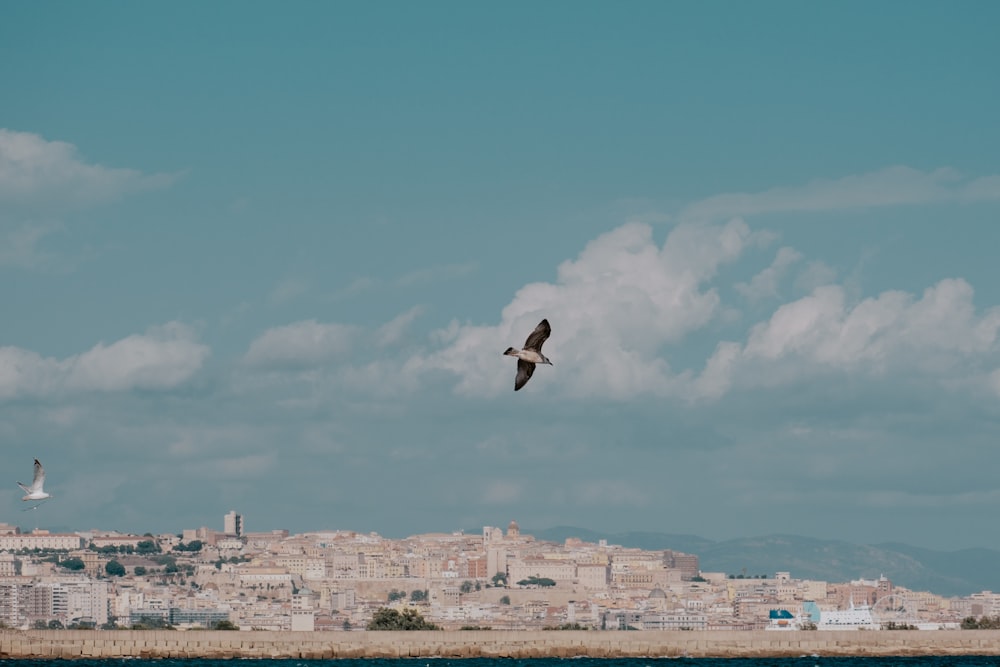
<point x="500" y="579"/>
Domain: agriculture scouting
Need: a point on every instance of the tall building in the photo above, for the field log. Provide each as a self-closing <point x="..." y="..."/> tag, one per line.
<point x="233" y="524"/>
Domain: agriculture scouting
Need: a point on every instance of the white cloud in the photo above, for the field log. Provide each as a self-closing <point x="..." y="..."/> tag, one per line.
<point x="611" y="311"/>
<point x="50" y="174"/>
<point x="937" y="335"/>
<point x="19" y="244"/>
<point x="300" y="344"/>
<point x="892" y="186"/>
<point x="765" y="284"/>
<point x="815" y="274"/>
<point x="287" y="290"/>
<point x="393" y="331"/>
<point x="162" y="358"/>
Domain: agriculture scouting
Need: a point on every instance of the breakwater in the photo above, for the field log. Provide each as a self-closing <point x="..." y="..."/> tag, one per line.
<point x="69" y="644"/>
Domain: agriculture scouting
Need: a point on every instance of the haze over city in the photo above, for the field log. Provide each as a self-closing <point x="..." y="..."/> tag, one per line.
<point x="269" y="257"/>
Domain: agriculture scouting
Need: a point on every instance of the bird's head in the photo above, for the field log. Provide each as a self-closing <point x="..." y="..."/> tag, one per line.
<point x="545" y="360"/>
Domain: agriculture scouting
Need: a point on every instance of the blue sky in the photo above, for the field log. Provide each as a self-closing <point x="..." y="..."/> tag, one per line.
<point x="266" y="256"/>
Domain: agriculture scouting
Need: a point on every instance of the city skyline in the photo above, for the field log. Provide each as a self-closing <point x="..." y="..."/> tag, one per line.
<point x="495" y="577"/>
<point x="269" y="258"/>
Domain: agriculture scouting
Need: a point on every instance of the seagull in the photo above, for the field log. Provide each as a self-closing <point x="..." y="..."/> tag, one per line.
<point x="531" y="354"/>
<point x="35" y="491"/>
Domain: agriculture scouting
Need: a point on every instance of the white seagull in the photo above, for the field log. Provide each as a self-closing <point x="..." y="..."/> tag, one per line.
<point x="35" y="491"/>
<point x="531" y="354"/>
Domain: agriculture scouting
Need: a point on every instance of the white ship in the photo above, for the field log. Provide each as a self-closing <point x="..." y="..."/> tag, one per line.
<point x="855" y="617"/>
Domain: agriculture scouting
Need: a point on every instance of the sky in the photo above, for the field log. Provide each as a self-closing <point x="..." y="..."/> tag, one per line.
<point x="266" y="257"/>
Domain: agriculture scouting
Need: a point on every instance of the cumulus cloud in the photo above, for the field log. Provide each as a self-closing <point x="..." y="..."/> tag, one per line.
<point x="892" y="186"/>
<point x="612" y="309"/>
<point x="765" y="284"/>
<point x="20" y="244"/>
<point x="301" y="344"/>
<point x="393" y="331"/>
<point x="162" y="358"/>
<point x="50" y="174"/>
<point x="287" y="290"/>
<point x="938" y="334"/>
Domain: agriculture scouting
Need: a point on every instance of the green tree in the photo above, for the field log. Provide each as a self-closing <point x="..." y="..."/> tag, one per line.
<point x="466" y="587"/>
<point x="115" y="569"/>
<point x="392" y="619"/>
<point x="140" y="571"/>
<point x="55" y="624"/>
<point x="544" y="582"/>
<point x="224" y="625"/>
<point x="347" y="624"/>
<point x="396" y="595"/>
<point x="418" y="596"/>
<point x="505" y="599"/>
<point x="499" y="577"/>
<point x="72" y="564"/>
<point x="147" y="547"/>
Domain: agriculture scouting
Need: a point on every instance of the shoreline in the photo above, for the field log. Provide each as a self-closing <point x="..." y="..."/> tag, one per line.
<point x="70" y="644"/>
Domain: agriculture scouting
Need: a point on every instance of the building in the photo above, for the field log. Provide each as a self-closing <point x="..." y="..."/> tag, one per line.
<point x="233" y="524"/>
<point x="40" y="539"/>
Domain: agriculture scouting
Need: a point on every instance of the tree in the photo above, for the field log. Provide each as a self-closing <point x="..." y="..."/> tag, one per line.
<point x="505" y="599"/>
<point x="55" y="624"/>
<point x="347" y="624"/>
<point x="466" y="587"/>
<point x="544" y="582"/>
<point x="115" y="569"/>
<point x="147" y="547"/>
<point x="498" y="577"/>
<point x="72" y="564"/>
<point x="224" y="625"/>
<point x="140" y="571"/>
<point x="418" y="596"/>
<point x="396" y="595"/>
<point x="391" y="619"/>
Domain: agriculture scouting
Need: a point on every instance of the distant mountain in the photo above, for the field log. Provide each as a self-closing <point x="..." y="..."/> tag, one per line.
<point x="948" y="573"/>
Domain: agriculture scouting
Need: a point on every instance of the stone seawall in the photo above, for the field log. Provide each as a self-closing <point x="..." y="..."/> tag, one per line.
<point x="489" y="643"/>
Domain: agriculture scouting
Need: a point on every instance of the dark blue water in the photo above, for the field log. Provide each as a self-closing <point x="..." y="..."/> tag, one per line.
<point x="942" y="661"/>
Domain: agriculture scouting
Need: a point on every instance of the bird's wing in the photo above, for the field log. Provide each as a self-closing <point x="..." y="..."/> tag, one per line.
<point x="538" y="336"/>
<point x="26" y="489"/>
<point x="39" y="478"/>
<point x="524" y="371"/>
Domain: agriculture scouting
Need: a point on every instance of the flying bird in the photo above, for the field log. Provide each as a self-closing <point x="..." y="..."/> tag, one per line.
<point x="35" y="491"/>
<point x="531" y="354"/>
